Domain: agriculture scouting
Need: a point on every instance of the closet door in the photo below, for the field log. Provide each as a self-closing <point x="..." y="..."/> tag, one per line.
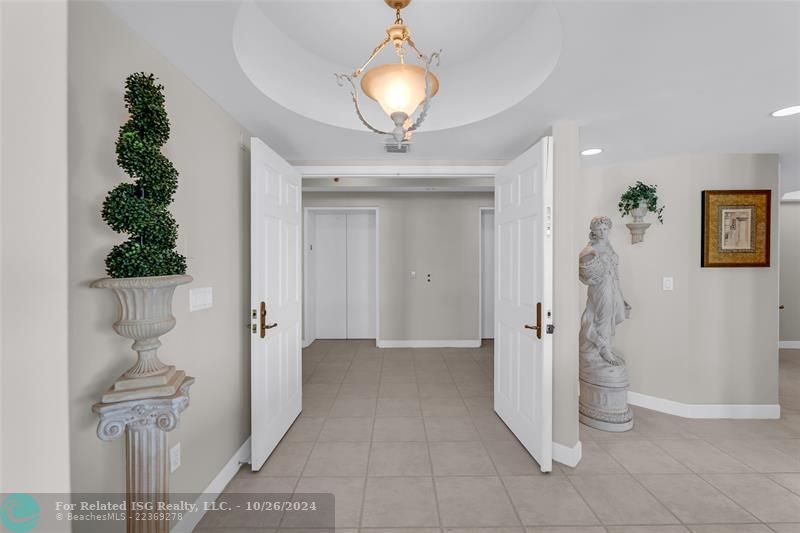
<point x="331" y="266"/>
<point x="361" y="255"/>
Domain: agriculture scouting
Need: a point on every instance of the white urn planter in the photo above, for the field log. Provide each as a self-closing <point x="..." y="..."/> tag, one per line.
<point x="145" y="314"/>
<point x="638" y="227"/>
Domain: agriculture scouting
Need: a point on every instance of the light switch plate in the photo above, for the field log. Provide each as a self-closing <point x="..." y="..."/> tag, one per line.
<point x="200" y="298"/>
<point x="175" y="457"/>
<point x="667" y="284"/>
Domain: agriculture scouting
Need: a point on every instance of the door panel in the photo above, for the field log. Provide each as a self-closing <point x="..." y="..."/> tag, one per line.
<point x="530" y="282"/>
<point x="505" y="269"/>
<point x="523" y="263"/>
<point x="361" y="275"/>
<point x="275" y="355"/>
<point x="331" y="267"/>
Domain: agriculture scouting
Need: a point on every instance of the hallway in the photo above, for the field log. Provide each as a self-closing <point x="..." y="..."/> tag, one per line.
<point x="407" y="438"/>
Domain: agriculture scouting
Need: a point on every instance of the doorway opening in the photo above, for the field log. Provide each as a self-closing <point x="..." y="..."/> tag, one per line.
<point x="522" y="237"/>
<point x="341" y="274"/>
<point x="789" y="342"/>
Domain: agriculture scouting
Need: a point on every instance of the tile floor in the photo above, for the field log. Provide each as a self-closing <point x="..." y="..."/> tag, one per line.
<point x="407" y="440"/>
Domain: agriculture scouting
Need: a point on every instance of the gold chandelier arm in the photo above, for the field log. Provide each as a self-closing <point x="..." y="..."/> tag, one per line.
<point x="340" y="78"/>
<point x="375" y="52"/>
<point x="422" y="57"/>
<point x="426" y="104"/>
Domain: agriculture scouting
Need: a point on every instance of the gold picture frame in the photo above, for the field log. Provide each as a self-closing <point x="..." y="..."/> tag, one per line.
<point x="736" y="228"/>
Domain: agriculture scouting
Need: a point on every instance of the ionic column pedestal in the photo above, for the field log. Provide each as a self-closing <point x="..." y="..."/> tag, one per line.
<point x="145" y="423"/>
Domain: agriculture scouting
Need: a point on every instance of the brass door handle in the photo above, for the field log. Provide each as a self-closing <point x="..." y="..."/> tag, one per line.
<point x="538" y="326"/>
<point x="262" y="321"/>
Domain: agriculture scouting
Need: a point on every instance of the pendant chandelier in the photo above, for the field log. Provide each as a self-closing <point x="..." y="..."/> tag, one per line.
<point x="399" y="88"/>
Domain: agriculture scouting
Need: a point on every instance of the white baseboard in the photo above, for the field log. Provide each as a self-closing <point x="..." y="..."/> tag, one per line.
<point x="212" y="492"/>
<point x="789" y="345"/>
<point x="429" y="344"/>
<point x="307" y="343"/>
<point x="689" y="410"/>
<point x="566" y="455"/>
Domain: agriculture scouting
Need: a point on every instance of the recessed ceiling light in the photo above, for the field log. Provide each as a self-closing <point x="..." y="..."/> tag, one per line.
<point x="787" y="111"/>
<point x="592" y="151"/>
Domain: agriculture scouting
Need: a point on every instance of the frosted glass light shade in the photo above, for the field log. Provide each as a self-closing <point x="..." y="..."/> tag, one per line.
<point x="398" y="87"/>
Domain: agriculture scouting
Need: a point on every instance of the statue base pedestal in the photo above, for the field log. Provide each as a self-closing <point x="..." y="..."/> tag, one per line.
<point x="603" y="402"/>
<point x="612" y="427"/>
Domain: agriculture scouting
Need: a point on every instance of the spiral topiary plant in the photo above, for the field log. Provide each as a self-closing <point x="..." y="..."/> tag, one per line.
<point x="141" y="208"/>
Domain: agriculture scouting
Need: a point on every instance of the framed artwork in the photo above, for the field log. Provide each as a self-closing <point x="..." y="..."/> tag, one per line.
<point x="736" y="228"/>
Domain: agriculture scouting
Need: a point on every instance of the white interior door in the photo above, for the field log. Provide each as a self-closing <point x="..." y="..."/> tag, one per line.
<point x="275" y="248"/>
<point x="361" y="275"/>
<point x="331" y="270"/>
<point x="487" y="274"/>
<point x="309" y="278"/>
<point x="523" y="356"/>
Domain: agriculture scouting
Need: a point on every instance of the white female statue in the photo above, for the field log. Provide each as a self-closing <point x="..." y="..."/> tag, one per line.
<point x="603" y="376"/>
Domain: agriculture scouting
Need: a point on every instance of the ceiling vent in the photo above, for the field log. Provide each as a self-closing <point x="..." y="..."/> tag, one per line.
<point x="394" y="148"/>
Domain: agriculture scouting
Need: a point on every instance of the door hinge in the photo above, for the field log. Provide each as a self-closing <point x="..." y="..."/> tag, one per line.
<point x="550" y="329"/>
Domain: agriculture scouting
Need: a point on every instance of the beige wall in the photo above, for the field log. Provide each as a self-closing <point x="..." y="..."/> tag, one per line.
<point x="212" y="208"/>
<point x="713" y="339"/>
<point x="566" y="311"/>
<point x="34" y="421"/>
<point x="790" y="271"/>
<point x="436" y="233"/>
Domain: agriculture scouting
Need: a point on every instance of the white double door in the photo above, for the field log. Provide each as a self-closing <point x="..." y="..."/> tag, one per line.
<point x="344" y="254"/>
<point x="523" y="356"/>
<point x="523" y="344"/>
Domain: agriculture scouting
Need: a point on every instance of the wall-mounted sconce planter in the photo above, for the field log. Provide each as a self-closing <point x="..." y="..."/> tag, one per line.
<point x="638" y="227"/>
<point x="637" y="201"/>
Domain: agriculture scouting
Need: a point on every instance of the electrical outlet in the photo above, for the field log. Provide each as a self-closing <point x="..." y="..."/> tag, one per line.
<point x="667" y="284"/>
<point x="175" y="457"/>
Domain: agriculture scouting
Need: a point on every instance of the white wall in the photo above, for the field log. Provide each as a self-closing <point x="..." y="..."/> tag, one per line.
<point x="790" y="272"/>
<point x="713" y="339"/>
<point x="436" y="233"/>
<point x="212" y="209"/>
<point x="34" y="420"/>
<point x="790" y="172"/>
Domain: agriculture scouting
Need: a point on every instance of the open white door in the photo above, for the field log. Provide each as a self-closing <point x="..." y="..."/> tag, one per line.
<point x="275" y="349"/>
<point x="523" y="345"/>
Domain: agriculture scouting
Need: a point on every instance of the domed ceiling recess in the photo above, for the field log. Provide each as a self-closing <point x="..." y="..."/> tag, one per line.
<point x="494" y="55"/>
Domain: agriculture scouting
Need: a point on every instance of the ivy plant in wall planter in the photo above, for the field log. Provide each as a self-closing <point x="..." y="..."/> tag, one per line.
<point x="637" y="201"/>
<point x="145" y="269"/>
